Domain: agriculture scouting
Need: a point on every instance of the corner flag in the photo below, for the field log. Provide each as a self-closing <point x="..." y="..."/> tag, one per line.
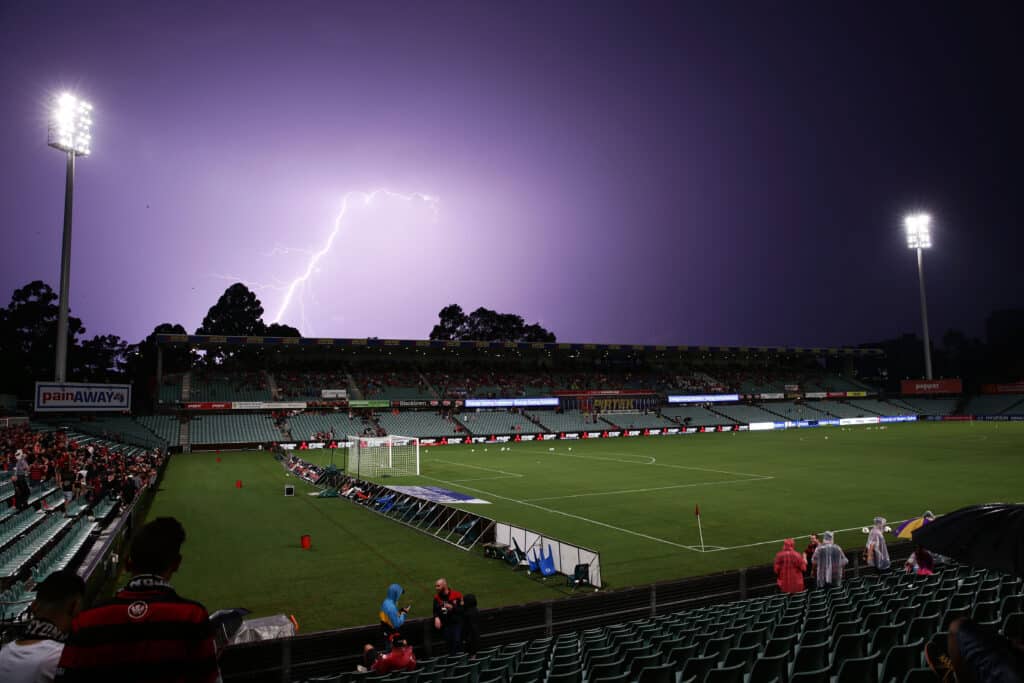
<point x="696" y="510"/>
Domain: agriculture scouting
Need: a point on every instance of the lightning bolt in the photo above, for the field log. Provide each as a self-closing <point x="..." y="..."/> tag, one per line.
<point x="367" y="199"/>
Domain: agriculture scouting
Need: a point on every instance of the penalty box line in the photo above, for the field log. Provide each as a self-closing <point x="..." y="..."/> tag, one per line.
<point x="647" y="490"/>
<point x="569" y="514"/>
<point x="716" y="549"/>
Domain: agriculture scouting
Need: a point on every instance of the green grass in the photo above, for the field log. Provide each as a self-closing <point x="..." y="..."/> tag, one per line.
<point x="630" y="499"/>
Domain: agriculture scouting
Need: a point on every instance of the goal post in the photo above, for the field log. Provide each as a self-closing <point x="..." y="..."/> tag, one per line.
<point x="383" y="456"/>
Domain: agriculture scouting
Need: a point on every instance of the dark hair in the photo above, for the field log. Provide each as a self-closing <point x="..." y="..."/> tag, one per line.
<point x="59" y="588"/>
<point x="157" y="547"/>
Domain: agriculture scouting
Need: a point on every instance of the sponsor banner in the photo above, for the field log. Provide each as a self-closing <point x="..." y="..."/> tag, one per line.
<point x="816" y="394"/>
<point x="830" y="422"/>
<point x="886" y="419"/>
<point x="606" y="392"/>
<point x="547" y="437"/>
<point x="835" y="394"/>
<point x="207" y="405"/>
<point x="849" y="421"/>
<point x="760" y="426"/>
<point x="771" y="397"/>
<point x="287" y="446"/>
<point x="436" y="494"/>
<point x="1000" y="418"/>
<point x="704" y="398"/>
<point x="672" y="430"/>
<point x="77" y="396"/>
<point x="568" y="436"/>
<point x="632" y="432"/>
<point x="613" y="434"/>
<point x="374" y="403"/>
<point x="916" y="387"/>
<point x="333" y="393"/>
<point x="856" y="394"/>
<point x="957" y="418"/>
<point x="414" y="403"/>
<point x="592" y="435"/>
<point x="692" y="430"/>
<point x="526" y="437"/>
<point x="267" y="405"/>
<point x="1011" y="388"/>
<point x="792" y="387"/>
<point x="511" y="402"/>
<point x="741" y="428"/>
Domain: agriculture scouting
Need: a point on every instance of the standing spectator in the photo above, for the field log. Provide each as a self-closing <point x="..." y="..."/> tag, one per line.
<point x="812" y="545"/>
<point x="391" y="617"/>
<point x="471" y="625"/>
<point x="789" y="568"/>
<point x="33" y="657"/>
<point x="827" y="562"/>
<point x="448" y="615"/>
<point x="146" y="631"/>
<point x="876" y="550"/>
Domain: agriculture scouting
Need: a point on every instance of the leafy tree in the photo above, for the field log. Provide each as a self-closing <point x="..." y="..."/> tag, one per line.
<point x="483" y="324"/>
<point x="28" y="338"/>
<point x="237" y="312"/>
<point x="103" y="358"/>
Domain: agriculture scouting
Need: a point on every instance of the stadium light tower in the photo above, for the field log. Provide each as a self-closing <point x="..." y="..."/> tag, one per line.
<point x="69" y="131"/>
<point x="919" y="236"/>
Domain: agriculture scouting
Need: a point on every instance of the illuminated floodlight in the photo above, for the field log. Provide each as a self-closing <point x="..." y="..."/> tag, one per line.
<point x="71" y="125"/>
<point x="919" y="230"/>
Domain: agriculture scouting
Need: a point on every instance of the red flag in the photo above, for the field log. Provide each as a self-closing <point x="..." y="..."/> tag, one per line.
<point x="696" y="510"/>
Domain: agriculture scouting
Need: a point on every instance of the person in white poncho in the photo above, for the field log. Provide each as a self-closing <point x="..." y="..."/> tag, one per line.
<point x="828" y="561"/>
<point x="877" y="551"/>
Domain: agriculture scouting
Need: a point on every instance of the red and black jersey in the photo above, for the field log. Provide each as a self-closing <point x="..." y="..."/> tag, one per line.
<point x="147" y="632"/>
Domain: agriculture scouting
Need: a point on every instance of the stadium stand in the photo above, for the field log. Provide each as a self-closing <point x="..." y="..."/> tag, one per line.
<point x="929" y="406"/>
<point x="697" y="416"/>
<point x="306" y="386"/>
<point x="497" y="422"/>
<point x="996" y="404"/>
<point x="307" y="425"/>
<point x="170" y="389"/>
<point x="794" y="411"/>
<point x="417" y="423"/>
<point x="234" y="429"/>
<point x="872" y="406"/>
<point x="637" y="420"/>
<point x="745" y="414"/>
<point x="566" y="421"/>
<point x="836" y="408"/>
<point x="392" y="385"/>
<point x="239" y="386"/>
<point x="873" y="628"/>
<point x="165" y="427"/>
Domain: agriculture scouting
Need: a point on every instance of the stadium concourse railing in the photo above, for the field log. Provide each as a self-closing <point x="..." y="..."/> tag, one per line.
<point x="335" y="651"/>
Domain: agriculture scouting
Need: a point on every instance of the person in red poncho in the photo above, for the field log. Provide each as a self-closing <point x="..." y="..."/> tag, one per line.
<point x="789" y="568"/>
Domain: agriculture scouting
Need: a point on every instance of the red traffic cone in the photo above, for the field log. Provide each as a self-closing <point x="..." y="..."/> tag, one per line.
<point x="238" y="483"/>
<point x="306" y="541"/>
<point x="218" y="459"/>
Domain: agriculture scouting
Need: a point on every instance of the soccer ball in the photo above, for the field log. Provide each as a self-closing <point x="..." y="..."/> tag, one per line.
<point x="888" y="529"/>
<point x="864" y="530"/>
<point x="570" y="448"/>
<point x="826" y="438"/>
<point x="551" y="450"/>
<point x="472" y="450"/>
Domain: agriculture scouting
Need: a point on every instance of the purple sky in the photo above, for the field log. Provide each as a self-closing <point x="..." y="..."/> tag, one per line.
<point x="659" y="173"/>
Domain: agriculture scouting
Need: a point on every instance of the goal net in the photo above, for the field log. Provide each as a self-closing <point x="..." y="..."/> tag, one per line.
<point x="383" y="456"/>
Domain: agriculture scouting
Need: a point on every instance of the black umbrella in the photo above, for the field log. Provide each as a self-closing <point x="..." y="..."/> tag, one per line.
<point x="988" y="536"/>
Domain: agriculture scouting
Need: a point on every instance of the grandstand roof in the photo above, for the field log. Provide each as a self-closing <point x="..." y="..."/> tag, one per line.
<point x="203" y="340"/>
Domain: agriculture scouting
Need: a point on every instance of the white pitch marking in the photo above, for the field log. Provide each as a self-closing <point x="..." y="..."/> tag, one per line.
<point x="486" y="469"/>
<point x="656" y="488"/>
<point x="652" y="461"/>
<point x="779" y="540"/>
<point x="572" y="516"/>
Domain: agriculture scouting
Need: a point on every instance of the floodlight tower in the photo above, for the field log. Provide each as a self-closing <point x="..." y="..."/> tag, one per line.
<point x="70" y="123"/>
<point x="919" y="236"/>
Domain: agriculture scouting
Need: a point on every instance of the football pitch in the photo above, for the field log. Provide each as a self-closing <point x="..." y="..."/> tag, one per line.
<point x="632" y="500"/>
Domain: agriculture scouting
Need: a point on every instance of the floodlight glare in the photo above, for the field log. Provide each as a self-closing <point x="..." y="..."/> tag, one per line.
<point x="70" y="123"/>
<point x="919" y="230"/>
